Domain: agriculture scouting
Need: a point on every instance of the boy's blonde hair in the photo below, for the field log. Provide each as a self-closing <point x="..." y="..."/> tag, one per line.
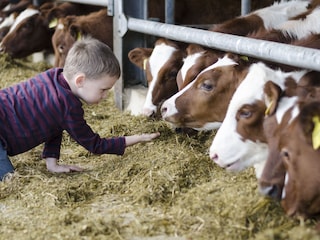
<point x="92" y="58"/>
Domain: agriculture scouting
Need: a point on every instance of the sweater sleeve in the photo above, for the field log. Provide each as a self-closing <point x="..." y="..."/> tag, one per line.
<point x="52" y="147"/>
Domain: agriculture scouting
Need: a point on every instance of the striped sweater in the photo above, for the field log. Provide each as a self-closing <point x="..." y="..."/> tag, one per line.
<point x="38" y="111"/>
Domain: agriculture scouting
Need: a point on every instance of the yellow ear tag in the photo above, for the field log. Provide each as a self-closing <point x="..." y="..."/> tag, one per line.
<point x="53" y="23"/>
<point x="316" y="133"/>
<point x="145" y="64"/>
<point x="268" y="109"/>
<point x="245" y="58"/>
<point x="79" y="35"/>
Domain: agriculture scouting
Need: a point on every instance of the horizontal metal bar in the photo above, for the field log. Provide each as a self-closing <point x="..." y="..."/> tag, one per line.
<point x="276" y="52"/>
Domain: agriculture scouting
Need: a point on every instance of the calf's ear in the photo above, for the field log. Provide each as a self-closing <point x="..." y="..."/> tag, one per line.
<point x="272" y="94"/>
<point x="139" y="56"/>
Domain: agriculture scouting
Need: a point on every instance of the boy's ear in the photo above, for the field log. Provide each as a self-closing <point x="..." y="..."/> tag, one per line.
<point x="79" y="80"/>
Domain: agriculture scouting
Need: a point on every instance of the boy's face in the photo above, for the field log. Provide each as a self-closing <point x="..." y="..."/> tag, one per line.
<point x="92" y="91"/>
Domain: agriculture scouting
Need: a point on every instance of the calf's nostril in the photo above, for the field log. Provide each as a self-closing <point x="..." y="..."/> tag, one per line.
<point x="274" y="192"/>
<point x="163" y="110"/>
<point x="214" y="157"/>
<point x="271" y="191"/>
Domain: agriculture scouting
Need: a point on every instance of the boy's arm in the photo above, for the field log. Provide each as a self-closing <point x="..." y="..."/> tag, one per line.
<point x="52" y="147"/>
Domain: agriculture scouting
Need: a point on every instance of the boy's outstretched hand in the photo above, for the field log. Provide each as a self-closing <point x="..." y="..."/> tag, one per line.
<point x="53" y="166"/>
<point x="146" y="137"/>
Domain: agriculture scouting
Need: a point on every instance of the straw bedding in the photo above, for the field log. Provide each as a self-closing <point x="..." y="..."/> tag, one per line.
<point x="166" y="189"/>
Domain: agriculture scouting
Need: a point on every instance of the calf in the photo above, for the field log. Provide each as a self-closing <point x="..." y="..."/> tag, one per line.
<point x="191" y="12"/>
<point x="297" y="28"/>
<point x="240" y="142"/>
<point x="202" y="104"/>
<point x="69" y="29"/>
<point x="265" y="18"/>
<point x="20" y="41"/>
<point x="161" y="65"/>
<point x="299" y="146"/>
<point x="281" y="113"/>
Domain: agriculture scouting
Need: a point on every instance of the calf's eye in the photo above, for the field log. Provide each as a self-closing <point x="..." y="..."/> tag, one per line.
<point x="245" y="114"/>
<point x="285" y="156"/>
<point x="206" y="86"/>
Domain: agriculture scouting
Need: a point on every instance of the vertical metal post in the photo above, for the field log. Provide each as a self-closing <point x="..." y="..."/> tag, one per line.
<point x="117" y="49"/>
<point x="245" y="7"/>
<point x="124" y="41"/>
<point x="169" y="11"/>
<point x="145" y="9"/>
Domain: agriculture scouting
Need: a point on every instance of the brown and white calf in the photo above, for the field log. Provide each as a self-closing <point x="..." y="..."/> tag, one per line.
<point x="300" y="154"/>
<point x="71" y="28"/>
<point x="19" y="41"/>
<point x="264" y="18"/>
<point x="296" y="28"/>
<point x="161" y="65"/>
<point x="282" y="111"/>
<point x="203" y="103"/>
<point x="292" y="168"/>
<point x="240" y="142"/>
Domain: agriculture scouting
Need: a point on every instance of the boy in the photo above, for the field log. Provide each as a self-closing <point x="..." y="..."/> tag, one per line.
<point x="38" y="110"/>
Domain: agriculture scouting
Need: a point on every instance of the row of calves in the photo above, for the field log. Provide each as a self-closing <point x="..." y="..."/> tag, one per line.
<point x="267" y="115"/>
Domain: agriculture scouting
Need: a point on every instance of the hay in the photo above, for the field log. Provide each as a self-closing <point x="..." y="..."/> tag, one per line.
<point x="166" y="189"/>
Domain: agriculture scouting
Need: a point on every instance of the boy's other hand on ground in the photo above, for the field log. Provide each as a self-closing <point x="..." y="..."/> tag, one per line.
<point x="53" y="166"/>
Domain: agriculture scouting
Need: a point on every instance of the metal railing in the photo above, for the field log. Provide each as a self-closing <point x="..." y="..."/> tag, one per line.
<point x="276" y="52"/>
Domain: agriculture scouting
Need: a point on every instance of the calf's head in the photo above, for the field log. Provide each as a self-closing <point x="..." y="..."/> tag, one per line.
<point x="202" y="104"/>
<point x="161" y="69"/>
<point x="281" y="112"/>
<point x="300" y="155"/>
<point x="63" y="38"/>
<point x="240" y="141"/>
<point x="29" y="34"/>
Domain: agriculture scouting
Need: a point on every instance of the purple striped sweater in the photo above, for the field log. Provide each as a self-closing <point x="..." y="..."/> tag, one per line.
<point x="38" y="111"/>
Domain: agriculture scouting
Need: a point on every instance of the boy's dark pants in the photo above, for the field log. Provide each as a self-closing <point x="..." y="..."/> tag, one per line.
<point x="5" y="163"/>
